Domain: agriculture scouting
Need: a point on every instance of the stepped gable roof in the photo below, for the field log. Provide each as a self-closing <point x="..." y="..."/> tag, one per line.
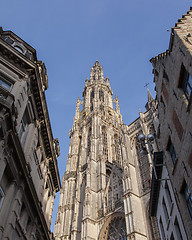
<point x="179" y="26"/>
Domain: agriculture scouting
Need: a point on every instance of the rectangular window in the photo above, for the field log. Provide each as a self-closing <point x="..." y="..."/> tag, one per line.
<point x="177" y="124"/>
<point x="4" y="83"/>
<point x="172" y="151"/>
<point x="22" y="126"/>
<point x="188" y="198"/>
<point x="185" y="82"/>
<point x="1" y="196"/>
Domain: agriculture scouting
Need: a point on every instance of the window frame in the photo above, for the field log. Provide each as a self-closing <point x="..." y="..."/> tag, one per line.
<point x="5" y="83"/>
<point x="2" y="196"/>
<point x="172" y="152"/>
<point x="185" y="82"/>
<point x="188" y="198"/>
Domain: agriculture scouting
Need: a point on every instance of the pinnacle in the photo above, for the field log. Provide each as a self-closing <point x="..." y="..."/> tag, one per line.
<point x="96" y="63"/>
<point x="96" y="72"/>
<point x="150" y="98"/>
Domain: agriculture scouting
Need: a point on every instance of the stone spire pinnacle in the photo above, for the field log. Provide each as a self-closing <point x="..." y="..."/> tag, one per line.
<point x="96" y="72"/>
<point x="78" y="103"/>
<point x="150" y="98"/>
<point x="116" y="101"/>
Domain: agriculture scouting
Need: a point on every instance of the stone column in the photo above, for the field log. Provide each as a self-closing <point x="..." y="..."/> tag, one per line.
<point x="51" y="208"/>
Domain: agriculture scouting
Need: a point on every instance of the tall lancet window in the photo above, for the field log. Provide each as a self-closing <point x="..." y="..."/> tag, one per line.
<point x="117" y="148"/>
<point x="101" y="95"/>
<point x="105" y="147"/>
<point x="91" y="99"/>
<point x="102" y="109"/>
<point x="89" y="141"/>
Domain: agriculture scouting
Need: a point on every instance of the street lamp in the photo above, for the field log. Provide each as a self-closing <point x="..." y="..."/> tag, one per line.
<point x="147" y="140"/>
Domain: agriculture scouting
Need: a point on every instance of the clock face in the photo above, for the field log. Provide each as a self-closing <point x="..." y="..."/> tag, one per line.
<point x="83" y="114"/>
<point x="110" y="112"/>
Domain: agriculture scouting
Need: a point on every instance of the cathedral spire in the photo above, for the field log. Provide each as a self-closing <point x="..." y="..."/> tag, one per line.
<point x="95" y="202"/>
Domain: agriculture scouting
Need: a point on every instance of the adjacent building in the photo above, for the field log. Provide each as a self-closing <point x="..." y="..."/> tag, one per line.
<point x="106" y="187"/>
<point x="172" y="203"/>
<point x="29" y="177"/>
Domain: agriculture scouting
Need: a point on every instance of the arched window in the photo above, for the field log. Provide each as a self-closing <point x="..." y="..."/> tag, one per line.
<point x="19" y="49"/>
<point x="92" y="95"/>
<point x="108" y="173"/>
<point x="102" y="109"/>
<point x="104" y="138"/>
<point x="89" y="141"/>
<point x="91" y="99"/>
<point x="117" y="230"/>
<point x="117" y="148"/>
<point x="101" y="95"/>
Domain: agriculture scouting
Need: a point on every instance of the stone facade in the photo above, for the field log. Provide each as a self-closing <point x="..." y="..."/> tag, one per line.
<point x="172" y="77"/>
<point x="106" y="186"/>
<point x="29" y="175"/>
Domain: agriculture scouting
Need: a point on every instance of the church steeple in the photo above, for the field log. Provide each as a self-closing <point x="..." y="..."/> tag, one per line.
<point x="97" y="94"/>
<point x="96" y="184"/>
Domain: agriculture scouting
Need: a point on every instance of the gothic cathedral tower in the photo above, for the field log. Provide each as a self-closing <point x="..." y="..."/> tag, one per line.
<point x="100" y="196"/>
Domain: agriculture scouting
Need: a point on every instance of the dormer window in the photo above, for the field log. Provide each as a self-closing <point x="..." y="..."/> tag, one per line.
<point x="8" y="40"/>
<point x="19" y="46"/>
<point x="18" y="49"/>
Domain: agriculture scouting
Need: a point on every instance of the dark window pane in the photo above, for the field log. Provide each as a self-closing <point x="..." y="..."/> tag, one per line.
<point x="8" y="40"/>
<point x="4" y="83"/>
<point x="172" y="151"/>
<point x="185" y="82"/>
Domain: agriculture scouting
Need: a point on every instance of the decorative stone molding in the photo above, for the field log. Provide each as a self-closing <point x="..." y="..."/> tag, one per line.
<point x="71" y="174"/>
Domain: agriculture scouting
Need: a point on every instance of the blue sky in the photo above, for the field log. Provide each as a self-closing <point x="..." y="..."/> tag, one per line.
<point x="69" y="35"/>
